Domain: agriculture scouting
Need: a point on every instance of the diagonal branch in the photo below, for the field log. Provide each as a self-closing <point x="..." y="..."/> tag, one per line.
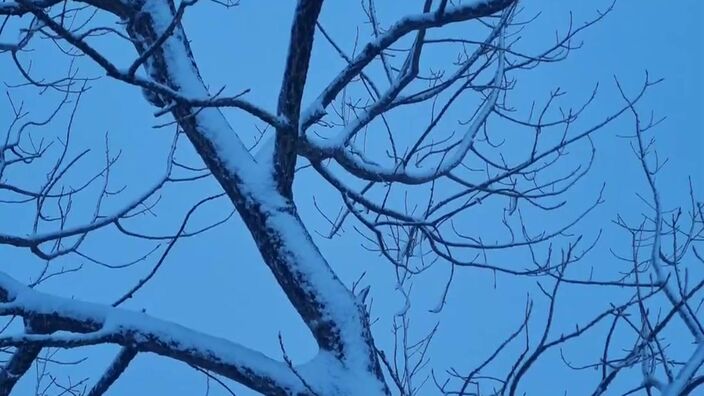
<point x="117" y="367"/>
<point x="16" y="367"/>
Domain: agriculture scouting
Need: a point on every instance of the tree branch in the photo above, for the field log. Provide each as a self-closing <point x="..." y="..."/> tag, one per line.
<point x="294" y="81"/>
<point x="92" y="324"/>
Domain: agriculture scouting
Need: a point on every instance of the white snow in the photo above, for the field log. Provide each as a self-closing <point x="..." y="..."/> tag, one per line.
<point x="119" y="321"/>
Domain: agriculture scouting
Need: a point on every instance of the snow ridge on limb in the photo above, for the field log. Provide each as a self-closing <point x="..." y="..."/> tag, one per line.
<point x="17" y="8"/>
<point x="92" y="324"/>
<point x="271" y="217"/>
<point x="335" y="318"/>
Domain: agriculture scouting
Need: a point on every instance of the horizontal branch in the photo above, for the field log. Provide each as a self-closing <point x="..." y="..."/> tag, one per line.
<point x="92" y="324"/>
<point x="17" y="9"/>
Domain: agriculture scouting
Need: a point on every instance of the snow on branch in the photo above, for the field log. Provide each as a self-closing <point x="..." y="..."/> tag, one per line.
<point x="85" y="323"/>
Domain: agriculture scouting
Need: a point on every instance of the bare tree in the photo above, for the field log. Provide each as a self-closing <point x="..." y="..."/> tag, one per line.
<point x="412" y="194"/>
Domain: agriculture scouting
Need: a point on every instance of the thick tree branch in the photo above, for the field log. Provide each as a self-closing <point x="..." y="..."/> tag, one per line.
<point x="16" y="367"/>
<point x="117" y="367"/>
<point x="92" y="324"/>
<point x="336" y="319"/>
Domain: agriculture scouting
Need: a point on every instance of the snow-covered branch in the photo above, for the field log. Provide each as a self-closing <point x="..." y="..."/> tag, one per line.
<point x="423" y="130"/>
<point x="89" y="324"/>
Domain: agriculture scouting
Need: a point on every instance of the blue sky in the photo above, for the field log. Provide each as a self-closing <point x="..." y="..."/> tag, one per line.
<point x="218" y="283"/>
